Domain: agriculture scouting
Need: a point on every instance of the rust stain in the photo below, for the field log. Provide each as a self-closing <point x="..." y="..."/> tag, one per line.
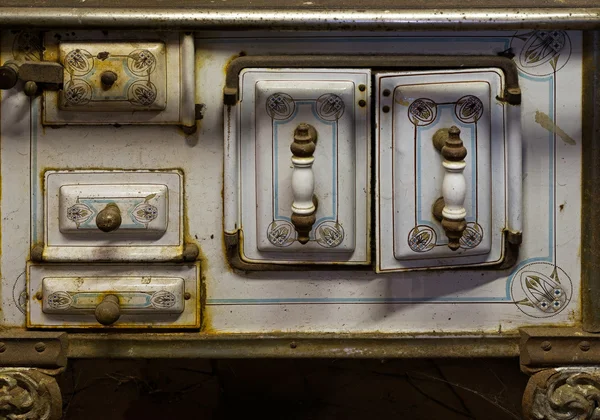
<point x="401" y="99"/>
<point x="546" y="122"/>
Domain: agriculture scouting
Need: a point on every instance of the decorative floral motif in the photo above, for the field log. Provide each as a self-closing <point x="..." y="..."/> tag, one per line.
<point x="468" y="109"/>
<point x="280" y="106"/>
<point x="141" y="62"/>
<point x="540" y="53"/>
<point x="79" y="213"/>
<point x="28" y="46"/>
<point x="541" y="289"/>
<point x="144" y="213"/>
<point x="330" y="107"/>
<point x="163" y="299"/>
<point x="422" y="111"/>
<point x="79" y="62"/>
<point x="142" y="93"/>
<point x="422" y="238"/>
<point x="281" y="233"/>
<point x="77" y="92"/>
<point x="472" y="236"/>
<point x="60" y="300"/>
<point x="329" y="234"/>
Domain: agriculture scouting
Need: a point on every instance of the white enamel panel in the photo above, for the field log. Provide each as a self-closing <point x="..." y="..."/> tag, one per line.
<point x="157" y="296"/>
<point x="272" y="104"/>
<point x="143" y="208"/>
<point x="137" y="295"/>
<point x="140" y="70"/>
<point x="468" y="302"/>
<point x="150" y="204"/>
<point x="155" y="78"/>
<point x="419" y="104"/>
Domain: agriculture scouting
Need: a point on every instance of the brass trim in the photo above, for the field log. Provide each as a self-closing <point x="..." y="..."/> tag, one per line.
<point x="353" y="16"/>
<point x="188" y="346"/>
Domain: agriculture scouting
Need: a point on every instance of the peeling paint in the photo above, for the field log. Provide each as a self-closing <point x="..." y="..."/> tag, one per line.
<point x="546" y="122"/>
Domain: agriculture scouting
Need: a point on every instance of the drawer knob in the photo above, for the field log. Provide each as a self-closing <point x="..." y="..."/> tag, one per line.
<point x="304" y="206"/>
<point x="109" y="218"/>
<point x="108" y="311"/>
<point x="108" y="78"/>
<point x="449" y="209"/>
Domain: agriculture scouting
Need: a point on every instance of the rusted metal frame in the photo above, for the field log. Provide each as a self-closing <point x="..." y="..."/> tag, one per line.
<point x="33" y="349"/>
<point x="355" y="16"/>
<point x="590" y="211"/>
<point x="233" y="251"/>
<point x="189" y="345"/>
<point x="544" y="347"/>
<point x="512" y="91"/>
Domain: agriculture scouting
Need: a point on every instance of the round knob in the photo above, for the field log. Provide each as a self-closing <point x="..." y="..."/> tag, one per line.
<point x="8" y="77"/>
<point x="30" y="88"/>
<point x="108" y="78"/>
<point x="109" y="218"/>
<point x="108" y="312"/>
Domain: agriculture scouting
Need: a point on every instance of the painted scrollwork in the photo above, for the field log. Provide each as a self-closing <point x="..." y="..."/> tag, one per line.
<point x="330" y="107"/>
<point x="572" y="393"/>
<point x="28" y="394"/>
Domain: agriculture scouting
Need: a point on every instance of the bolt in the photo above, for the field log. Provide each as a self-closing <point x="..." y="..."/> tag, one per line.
<point x="2" y="347"/>
<point x="386" y="109"/>
<point x="387" y="92"/>
<point x="584" y="345"/>
<point x="362" y="103"/>
<point x="40" y="347"/>
<point x="546" y="345"/>
<point x="30" y="88"/>
<point x="362" y="87"/>
<point x="293" y="345"/>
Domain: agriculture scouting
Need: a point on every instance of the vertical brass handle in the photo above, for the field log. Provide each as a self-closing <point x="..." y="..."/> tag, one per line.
<point x="449" y="209"/>
<point x="304" y="206"/>
<point x="109" y="218"/>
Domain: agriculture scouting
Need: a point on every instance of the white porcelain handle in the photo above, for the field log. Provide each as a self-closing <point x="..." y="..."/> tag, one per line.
<point x="304" y="206"/>
<point x="450" y="207"/>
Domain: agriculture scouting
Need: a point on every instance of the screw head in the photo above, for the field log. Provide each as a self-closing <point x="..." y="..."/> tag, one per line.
<point x="546" y="345"/>
<point x="387" y="92"/>
<point x="386" y="108"/>
<point x="2" y="347"/>
<point x="30" y="88"/>
<point x="362" y="103"/>
<point x="293" y="345"/>
<point x="585" y="345"/>
<point x="362" y="87"/>
<point x="40" y="347"/>
<point x="39" y="296"/>
<point x="187" y="295"/>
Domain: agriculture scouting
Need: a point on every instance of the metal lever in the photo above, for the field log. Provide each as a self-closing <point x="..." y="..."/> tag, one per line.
<point x="304" y="206"/>
<point x="36" y="75"/>
<point x="108" y="311"/>
<point x="109" y="218"/>
<point x="449" y="209"/>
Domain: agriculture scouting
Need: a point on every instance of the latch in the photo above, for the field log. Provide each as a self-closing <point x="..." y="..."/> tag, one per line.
<point x="37" y="75"/>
